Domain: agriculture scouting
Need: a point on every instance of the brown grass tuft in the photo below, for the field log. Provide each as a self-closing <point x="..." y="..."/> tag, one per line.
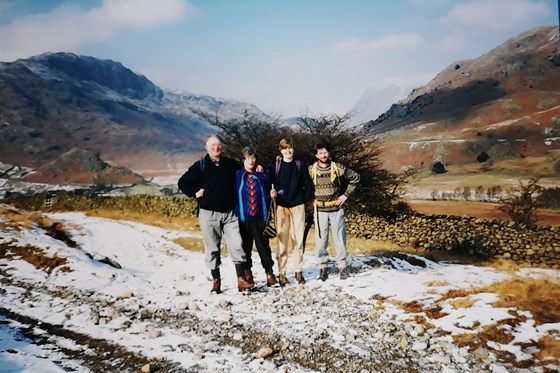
<point x="549" y="349"/>
<point x="34" y="256"/>
<point x="539" y="296"/>
<point x="167" y="222"/>
<point x="190" y="243"/>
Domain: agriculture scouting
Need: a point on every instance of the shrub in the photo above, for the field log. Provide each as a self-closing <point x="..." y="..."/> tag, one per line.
<point x="378" y="188"/>
<point x="521" y="203"/>
<point x="550" y="198"/>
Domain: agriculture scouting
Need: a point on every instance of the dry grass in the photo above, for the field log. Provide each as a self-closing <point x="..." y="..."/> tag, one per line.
<point x="539" y="296"/>
<point x="189" y="224"/>
<point x="20" y="219"/>
<point x="549" y="348"/>
<point x="34" y="256"/>
<point x="190" y="243"/>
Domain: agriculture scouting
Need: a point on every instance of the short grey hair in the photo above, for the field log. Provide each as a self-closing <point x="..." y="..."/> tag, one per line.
<point x="215" y="136"/>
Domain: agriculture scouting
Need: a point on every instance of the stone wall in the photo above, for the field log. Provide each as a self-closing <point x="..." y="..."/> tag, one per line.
<point x="485" y="239"/>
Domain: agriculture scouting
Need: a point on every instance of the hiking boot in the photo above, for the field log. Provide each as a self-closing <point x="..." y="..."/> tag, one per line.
<point x="299" y="278"/>
<point x="243" y="284"/>
<point x="216" y="286"/>
<point x="249" y="276"/>
<point x="282" y="280"/>
<point x="324" y="274"/>
<point x="271" y="279"/>
<point x="344" y="274"/>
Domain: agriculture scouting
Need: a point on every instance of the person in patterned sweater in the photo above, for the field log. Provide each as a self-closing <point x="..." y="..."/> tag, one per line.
<point x="334" y="183"/>
<point x="253" y="201"/>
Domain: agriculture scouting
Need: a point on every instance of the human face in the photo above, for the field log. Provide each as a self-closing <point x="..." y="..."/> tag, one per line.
<point x="214" y="147"/>
<point x="322" y="155"/>
<point x="249" y="163"/>
<point x="287" y="154"/>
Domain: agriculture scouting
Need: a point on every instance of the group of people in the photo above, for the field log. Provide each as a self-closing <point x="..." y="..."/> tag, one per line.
<point x="234" y="202"/>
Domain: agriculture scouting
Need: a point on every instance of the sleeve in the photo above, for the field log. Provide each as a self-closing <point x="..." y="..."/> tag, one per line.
<point x="189" y="183"/>
<point x="353" y="178"/>
<point x="309" y="189"/>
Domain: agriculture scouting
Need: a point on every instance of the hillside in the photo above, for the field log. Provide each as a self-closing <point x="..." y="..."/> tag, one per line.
<point x="55" y="102"/>
<point x="496" y="115"/>
<point x="78" y="166"/>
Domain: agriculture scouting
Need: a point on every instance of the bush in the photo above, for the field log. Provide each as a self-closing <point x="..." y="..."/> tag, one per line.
<point x="378" y="189"/>
<point x="550" y="198"/>
<point x="521" y="203"/>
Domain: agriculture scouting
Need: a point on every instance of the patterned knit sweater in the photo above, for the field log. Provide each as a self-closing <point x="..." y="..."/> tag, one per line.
<point x="331" y="182"/>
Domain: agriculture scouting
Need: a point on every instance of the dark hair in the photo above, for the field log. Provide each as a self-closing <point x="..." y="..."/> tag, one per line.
<point x="321" y="145"/>
<point x="248" y="151"/>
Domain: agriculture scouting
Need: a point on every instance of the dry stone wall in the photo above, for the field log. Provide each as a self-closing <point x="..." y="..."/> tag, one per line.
<point x="484" y="239"/>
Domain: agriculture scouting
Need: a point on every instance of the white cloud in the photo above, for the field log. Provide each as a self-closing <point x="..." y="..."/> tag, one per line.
<point x="426" y="3"/>
<point x="138" y="13"/>
<point x="496" y="15"/>
<point x="68" y="27"/>
<point x="393" y="41"/>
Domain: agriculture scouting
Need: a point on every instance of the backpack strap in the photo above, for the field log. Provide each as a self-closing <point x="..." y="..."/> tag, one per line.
<point x="201" y="164"/>
<point x="279" y="163"/>
<point x="277" y="167"/>
<point x="335" y="172"/>
<point x="314" y="173"/>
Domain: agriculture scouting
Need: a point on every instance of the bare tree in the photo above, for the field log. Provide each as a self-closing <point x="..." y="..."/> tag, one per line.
<point x="521" y="203"/>
<point x="378" y="188"/>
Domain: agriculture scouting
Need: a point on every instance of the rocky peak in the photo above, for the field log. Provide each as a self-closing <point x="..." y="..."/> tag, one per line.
<point x="105" y="73"/>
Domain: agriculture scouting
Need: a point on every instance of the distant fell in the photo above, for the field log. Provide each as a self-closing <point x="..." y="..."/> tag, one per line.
<point x="498" y="113"/>
<point x="55" y="102"/>
<point x="79" y="166"/>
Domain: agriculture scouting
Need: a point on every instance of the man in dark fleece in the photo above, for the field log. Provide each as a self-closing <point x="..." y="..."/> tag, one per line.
<point x="212" y="182"/>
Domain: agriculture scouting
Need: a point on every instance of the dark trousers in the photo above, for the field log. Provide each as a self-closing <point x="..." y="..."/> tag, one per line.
<point x="251" y="232"/>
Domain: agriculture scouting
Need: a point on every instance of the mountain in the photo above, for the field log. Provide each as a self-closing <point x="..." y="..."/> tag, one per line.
<point x="497" y="113"/>
<point x="79" y="166"/>
<point x="375" y="101"/>
<point x="55" y="102"/>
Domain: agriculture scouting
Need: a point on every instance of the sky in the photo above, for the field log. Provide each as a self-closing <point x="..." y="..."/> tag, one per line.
<point x="289" y="57"/>
<point x="156" y="274"/>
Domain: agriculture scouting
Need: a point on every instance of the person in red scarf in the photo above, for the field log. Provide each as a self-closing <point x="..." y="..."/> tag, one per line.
<point x="253" y="202"/>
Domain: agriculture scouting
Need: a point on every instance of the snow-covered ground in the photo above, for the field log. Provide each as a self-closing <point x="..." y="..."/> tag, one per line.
<point x="155" y="312"/>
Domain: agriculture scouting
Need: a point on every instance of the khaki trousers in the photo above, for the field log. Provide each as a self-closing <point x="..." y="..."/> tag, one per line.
<point x="290" y="227"/>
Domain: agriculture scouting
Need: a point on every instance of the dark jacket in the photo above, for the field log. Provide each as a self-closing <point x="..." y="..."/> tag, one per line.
<point x="218" y="183"/>
<point x="261" y="194"/>
<point x="292" y="183"/>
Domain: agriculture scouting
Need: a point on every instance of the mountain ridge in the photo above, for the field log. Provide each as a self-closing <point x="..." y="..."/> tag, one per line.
<point x="498" y="113"/>
<point x="505" y="103"/>
<point x="55" y="102"/>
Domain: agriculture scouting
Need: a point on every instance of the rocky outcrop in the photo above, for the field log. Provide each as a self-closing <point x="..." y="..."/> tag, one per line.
<point x="82" y="166"/>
